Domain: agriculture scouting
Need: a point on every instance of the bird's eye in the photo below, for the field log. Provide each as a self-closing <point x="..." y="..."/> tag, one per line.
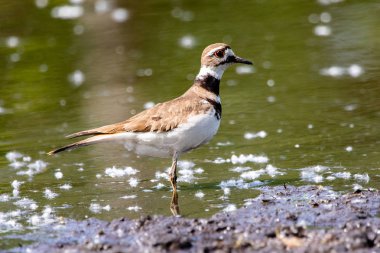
<point x="219" y="53"/>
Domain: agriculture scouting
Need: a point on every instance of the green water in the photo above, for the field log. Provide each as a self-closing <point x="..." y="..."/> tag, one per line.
<point x="317" y="99"/>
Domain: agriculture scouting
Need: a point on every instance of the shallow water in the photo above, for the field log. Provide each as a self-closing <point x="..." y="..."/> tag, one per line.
<point x="307" y="112"/>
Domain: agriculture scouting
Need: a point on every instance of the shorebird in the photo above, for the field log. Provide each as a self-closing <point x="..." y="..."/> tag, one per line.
<point x="174" y="127"/>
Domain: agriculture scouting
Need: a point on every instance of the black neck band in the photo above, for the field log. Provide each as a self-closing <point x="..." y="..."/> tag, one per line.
<point x="209" y="83"/>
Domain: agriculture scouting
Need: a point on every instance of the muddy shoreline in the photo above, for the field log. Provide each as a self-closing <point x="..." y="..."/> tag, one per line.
<point x="295" y="219"/>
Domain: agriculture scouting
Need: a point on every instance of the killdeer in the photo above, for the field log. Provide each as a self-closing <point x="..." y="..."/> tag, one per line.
<point x="174" y="127"/>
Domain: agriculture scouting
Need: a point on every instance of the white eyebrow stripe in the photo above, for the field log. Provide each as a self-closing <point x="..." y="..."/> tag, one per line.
<point x="214" y="50"/>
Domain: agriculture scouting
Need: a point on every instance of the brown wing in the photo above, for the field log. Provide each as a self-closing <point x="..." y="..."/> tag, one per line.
<point x="160" y="118"/>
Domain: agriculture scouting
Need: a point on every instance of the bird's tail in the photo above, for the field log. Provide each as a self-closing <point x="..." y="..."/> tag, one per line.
<point x="82" y="143"/>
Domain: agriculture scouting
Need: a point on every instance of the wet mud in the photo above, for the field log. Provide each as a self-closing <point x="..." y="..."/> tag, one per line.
<point x="281" y="219"/>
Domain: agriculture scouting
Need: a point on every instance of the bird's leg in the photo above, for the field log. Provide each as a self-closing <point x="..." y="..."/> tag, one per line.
<point x="173" y="172"/>
<point x="174" y="206"/>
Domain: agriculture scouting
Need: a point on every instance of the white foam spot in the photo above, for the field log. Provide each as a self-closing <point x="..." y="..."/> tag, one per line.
<point x="134" y="208"/>
<point x="223" y="144"/>
<point x="26" y="203"/>
<point x="67" y="12"/>
<point x="12" y="41"/>
<point x="17" y="165"/>
<point x="317" y="168"/>
<point x="322" y="30"/>
<point x="269" y="169"/>
<point x="185" y="164"/>
<point x="251" y="175"/>
<point x="199" y="194"/>
<point x="129" y="197"/>
<point x="271" y="83"/>
<point x="133" y="182"/>
<point x="16" y="188"/>
<point x="159" y="186"/>
<point x="158" y="175"/>
<point x="38" y="165"/>
<point x="47" y="214"/>
<point x="95" y="208"/>
<point x="58" y="175"/>
<point x="41" y="3"/>
<point x="334" y="71"/>
<point x="220" y="160"/>
<point x="328" y="2"/>
<point x="34" y="168"/>
<point x="355" y="70"/>
<point x="26" y="158"/>
<point x="325" y="17"/>
<point x="2" y="110"/>
<point x="362" y="177"/>
<point x="240" y="169"/>
<point x="230" y="208"/>
<point x="12" y="156"/>
<point x="76" y="1"/>
<point x="102" y="6"/>
<point x="49" y="194"/>
<point x="187" y="41"/>
<point x="244" y="70"/>
<point x="349" y="148"/>
<point x="273" y="171"/>
<point x="311" y="174"/>
<point x="65" y="187"/>
<point x="144" y="72"/>
<point x="239" y="183"/>
<point x="252" y="135"/>
<point x="248" y="158"/>
<point x="226" y="191"/>
<point x="271" y="99"/>
<point x="4" y="197"/>
<point x="350" y="107"/>
<point x="34" y="220"/>
<point x="343" y="175"/>
<point x="149" y="104"/>
<point x="186" y="175"/>
<point x="356" y="187"/>
<point x="15" y="57"/>
<point x="120" y="15"/>
<point x="107" y="207"/>
<point x="8" y="221"/>
<point x="77" y="78"/>
<point x="120" y="172"/>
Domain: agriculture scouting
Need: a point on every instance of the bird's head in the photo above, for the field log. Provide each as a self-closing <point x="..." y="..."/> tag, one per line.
<point x="216" y="58"/>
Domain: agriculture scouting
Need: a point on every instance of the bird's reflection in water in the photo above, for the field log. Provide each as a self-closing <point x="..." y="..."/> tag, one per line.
<point x="174" y="206"/>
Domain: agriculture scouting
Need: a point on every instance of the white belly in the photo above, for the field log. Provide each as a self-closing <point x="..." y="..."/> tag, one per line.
<point x="195" y="132"/>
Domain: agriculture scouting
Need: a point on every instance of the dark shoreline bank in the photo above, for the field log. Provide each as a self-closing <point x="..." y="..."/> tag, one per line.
<point x="295" y="219"/>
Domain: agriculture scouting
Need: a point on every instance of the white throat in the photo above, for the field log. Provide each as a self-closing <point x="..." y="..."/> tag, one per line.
<point x="216" y="72"/>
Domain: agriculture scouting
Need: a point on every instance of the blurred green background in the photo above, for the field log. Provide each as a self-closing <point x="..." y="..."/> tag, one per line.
<point x="310" y="104"/>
